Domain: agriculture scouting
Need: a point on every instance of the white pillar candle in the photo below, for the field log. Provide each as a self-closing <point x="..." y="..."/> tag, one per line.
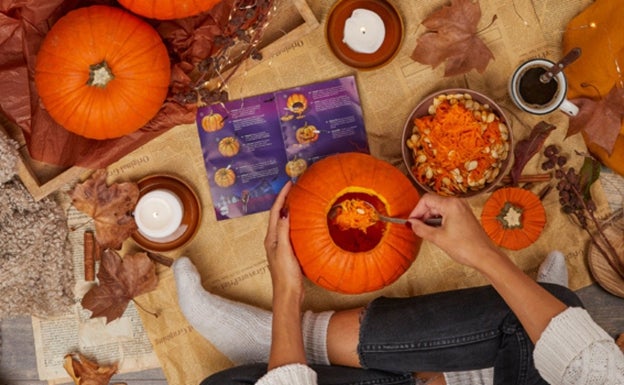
<point x="364" y="31"/>
<point x="158" y="214"/>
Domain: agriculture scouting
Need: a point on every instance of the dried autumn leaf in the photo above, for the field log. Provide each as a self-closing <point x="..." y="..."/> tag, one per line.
<point x="600" y="121"/>
<point x="109" y="206"/>
<point x="588" y="174"/>
<point x="526" y="148"/>
<point x="86" y="372"/>
<point x="120" y="280"/>
<point x="452" y="38"/>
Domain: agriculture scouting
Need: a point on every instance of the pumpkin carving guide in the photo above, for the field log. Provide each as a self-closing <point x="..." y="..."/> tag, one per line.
<point x="352" y="261"/>
<point x="101" y="72"/>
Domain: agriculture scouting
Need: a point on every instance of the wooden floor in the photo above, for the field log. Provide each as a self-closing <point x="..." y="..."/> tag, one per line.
<point x="18" y="367"/>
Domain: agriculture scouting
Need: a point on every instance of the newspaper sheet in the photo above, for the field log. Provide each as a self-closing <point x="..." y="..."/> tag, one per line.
<point x="124" y="340"/>
<point x="230" y="255"/>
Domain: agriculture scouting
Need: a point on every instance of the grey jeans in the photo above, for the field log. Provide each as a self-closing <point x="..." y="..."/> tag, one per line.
<point x="450" y="331"/>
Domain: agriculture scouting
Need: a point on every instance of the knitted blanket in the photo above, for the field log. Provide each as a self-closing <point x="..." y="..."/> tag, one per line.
<point x="36" y="276"/>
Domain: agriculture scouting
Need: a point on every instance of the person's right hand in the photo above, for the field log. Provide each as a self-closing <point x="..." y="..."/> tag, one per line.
<point x="460" y="235"/>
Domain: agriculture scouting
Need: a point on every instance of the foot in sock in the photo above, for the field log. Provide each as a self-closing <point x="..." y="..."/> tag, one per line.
<point x="554" y="269"/>
<point x="239" y="331"/>
<point x="242" y="332"/>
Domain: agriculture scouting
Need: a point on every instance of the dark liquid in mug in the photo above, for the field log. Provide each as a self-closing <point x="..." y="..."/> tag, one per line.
<point x="533" y="91"/>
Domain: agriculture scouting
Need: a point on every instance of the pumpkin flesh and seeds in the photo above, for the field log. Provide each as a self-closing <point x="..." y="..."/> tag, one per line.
<point x="459" y="146"/>
<point x="355" y="214"/>
<point x="353" y="226"/>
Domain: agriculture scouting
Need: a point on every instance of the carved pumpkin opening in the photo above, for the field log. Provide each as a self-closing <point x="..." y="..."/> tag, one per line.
<point x="355" y="239"/>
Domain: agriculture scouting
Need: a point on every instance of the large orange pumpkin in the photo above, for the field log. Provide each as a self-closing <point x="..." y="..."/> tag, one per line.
<point x="102" y="72"/>
<point x="352" y="261"/>
<point x="168" y="9"/>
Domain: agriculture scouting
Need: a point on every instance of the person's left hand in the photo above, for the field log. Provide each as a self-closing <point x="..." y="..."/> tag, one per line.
<point x="285" y="270"/>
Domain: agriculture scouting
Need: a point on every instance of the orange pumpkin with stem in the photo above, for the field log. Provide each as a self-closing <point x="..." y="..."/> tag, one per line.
<point x="102" y="72"/>
<point x="352" y="261"/>
<point x="513" y="217"/>
<point x="168" y="9"/>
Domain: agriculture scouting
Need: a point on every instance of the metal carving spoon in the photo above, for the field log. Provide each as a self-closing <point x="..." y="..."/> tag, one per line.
<point x="433" y="221"/>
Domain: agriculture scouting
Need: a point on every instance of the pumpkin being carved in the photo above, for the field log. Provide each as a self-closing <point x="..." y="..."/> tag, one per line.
<point x="102" y="72"/>
<point x="352" y="261"/>
<point x="296" y="167"/>
<point x="168" y="9"/>
<point x="307" y="134"/>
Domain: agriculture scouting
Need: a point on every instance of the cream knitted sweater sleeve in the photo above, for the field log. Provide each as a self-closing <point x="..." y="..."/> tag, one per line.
<point x="575" y="350"/>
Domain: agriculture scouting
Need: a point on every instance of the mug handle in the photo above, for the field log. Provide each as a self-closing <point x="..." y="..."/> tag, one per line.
<point x="569" y="108"/>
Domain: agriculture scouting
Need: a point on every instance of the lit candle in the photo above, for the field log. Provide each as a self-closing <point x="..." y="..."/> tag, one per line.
<point x="158" y="214"/>
<point x="364" y="31"/>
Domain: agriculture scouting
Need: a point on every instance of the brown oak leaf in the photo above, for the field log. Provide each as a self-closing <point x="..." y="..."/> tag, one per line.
<point x="452" y="39"/>
<point x="109" y="206"/>
<point x="120" y="280"/>
<point x="600" y="120"/>
<point x="86" y="372"/>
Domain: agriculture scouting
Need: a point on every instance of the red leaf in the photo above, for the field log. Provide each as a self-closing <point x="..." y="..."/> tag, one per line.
<point x="452" y="39"/>
<point x="527" y="147"/>
<point x="601" y="121"/>
<point x="109" y="206"/>
<point x="120" y="280"/>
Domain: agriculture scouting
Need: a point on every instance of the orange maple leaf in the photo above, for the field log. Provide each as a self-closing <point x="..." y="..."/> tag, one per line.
<point x="120" y="280"/>
<point x="452" y="39"/>
<point x="86" y="372"/>
<point x="601" y="120"/>
<point x="109" y="206"/>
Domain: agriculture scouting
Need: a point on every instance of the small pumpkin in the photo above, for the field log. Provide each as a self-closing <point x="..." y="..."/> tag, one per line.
<point x="225" y="177"/>
<point x="168" y="9"/>
<point x="229" y="146"/>
<point x="297" y="103"/>
<point x="102" y="72"/>
<point x="212" y="122"/>
<point x="513" y="217"/>
<point x="296" y="167"/>
<point x="307" y="134"/>
<point x="352" y="261"/>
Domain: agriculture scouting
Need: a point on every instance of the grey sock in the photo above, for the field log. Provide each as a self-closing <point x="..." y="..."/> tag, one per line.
<point x="241" y="332"/>
<point x="554" y="269"/>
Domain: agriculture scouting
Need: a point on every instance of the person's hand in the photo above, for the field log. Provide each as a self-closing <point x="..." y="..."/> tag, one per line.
<point x="285" y="270"/>
<point x="460" y="235"/>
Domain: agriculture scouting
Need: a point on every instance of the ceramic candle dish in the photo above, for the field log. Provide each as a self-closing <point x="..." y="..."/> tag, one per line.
<point x="191" y="217"/>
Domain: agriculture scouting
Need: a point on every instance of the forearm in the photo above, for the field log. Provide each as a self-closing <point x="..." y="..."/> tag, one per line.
<point x="533" y="305"/>
<point x="287" y="339"/>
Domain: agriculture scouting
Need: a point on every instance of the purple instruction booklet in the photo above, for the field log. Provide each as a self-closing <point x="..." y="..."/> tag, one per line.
<point x="253" y="146"/>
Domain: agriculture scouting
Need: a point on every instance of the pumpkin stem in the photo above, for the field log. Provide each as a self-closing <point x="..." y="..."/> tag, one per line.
<point x="510" y="216"/>
<point x="100" y="74"/>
